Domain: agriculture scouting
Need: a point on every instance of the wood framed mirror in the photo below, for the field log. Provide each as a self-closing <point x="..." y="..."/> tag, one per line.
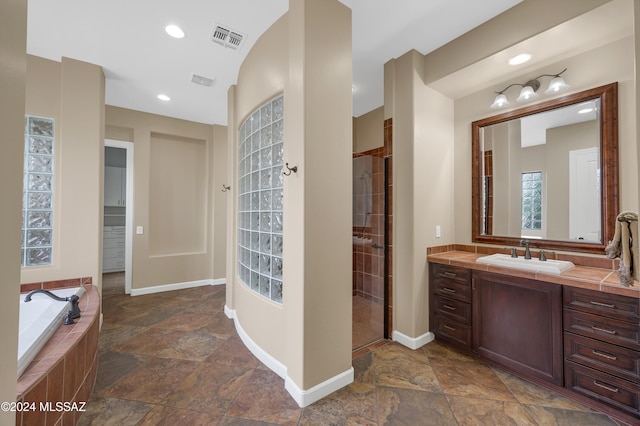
<point x="548" y="173"/>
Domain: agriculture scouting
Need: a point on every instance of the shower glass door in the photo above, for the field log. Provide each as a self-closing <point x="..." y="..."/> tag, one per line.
<point x="369" y="224"/>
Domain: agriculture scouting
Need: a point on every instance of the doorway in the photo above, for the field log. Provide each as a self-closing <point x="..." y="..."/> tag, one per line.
<point x="117" y="250"/>
<point x="369" y="249"/>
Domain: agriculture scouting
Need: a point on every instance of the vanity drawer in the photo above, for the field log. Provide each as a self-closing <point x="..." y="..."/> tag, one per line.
<point x="609" y="330"/>
<point x="451" y="274"/>
<point x="453" y="309"/>
<point x="610" y="305"/>
<point x="611" y="390"/>
<point x="603" y="356"/>
<point x="452" y="331"/>
<point x="452" y="290"/>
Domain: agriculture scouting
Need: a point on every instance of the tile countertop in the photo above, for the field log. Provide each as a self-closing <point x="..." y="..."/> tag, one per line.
<point x="589" y="272"/>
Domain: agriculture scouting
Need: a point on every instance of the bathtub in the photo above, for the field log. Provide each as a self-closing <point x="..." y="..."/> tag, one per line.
<point x="39" y="319"/>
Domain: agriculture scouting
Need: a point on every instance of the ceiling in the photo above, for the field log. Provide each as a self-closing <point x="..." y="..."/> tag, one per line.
<point x="598" y="27"/>
<point x="140" y="60"/>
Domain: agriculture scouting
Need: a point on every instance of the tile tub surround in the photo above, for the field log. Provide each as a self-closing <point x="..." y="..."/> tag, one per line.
<point x="590" y="272"/>
<point x="65" y="369"/>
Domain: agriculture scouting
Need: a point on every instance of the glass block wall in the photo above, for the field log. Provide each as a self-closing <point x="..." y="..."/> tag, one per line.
<point x="260" y="158"/>
<point x="37" y="205"/>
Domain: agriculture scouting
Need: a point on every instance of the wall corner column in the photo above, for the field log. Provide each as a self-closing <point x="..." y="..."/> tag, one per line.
<point x="13" y="69"/>
<point x="317" y="235"/>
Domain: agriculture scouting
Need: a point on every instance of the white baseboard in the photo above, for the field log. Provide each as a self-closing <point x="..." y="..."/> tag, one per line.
<point x="307" y="397"/>
<point x="219" y="281"/>
<point x="274" y="365"/>
<point x="170" y="287"/>
<point x="302" y="397"/>
<point x="230" y="313"/>
<point x="412" y="342"/>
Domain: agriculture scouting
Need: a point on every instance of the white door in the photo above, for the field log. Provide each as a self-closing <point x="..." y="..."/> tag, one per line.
<point x="584" y="195"/>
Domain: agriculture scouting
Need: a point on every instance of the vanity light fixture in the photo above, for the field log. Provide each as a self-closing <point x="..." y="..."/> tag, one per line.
<point x="529" y="89"/>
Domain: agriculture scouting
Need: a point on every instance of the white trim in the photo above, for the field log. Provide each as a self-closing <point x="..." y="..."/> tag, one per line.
<point x="230" y="313"/>
<point x="307" y="397"/>
<point x="274" y="365"/>
<point x="302" y="397"/>
<point x="169" y="287"/>
<point x="412" y="342"/>
<point x="219" y="281"/>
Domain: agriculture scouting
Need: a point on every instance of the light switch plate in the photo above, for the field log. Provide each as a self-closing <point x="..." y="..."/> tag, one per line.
<point x="139" y="230"/>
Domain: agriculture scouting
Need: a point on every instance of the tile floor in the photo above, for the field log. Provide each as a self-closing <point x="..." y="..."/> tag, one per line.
<point x="368" y="322"/>
<point x="174" y="358"/>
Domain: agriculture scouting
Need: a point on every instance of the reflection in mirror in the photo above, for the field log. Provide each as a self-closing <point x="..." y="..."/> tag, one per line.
<point x="548" y="173"/>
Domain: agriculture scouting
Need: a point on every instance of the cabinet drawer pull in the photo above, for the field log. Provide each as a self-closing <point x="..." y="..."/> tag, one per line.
<point x="603" y="355"/>
<point x="449" y="327"/>
<point x="450" y="274"/>
<point x="451" y="308"/>
<point x="604" y="305"/>
<point x="604" y="330"/>
<point x="603" y="386"/>
<point x="448" y="290"/>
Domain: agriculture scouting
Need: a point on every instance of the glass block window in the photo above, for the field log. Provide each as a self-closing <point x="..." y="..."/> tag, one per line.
<point x="37" y="197"/>
<point x="532" y="200"/>
<point x="260" y="160"/>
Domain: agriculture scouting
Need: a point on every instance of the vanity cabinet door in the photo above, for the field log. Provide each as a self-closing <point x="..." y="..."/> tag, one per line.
<point x="517" y="323"/>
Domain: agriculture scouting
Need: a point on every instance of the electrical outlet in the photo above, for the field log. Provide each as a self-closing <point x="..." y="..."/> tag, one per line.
<point x="438" y="232"/>
<point x="139" y="230"/>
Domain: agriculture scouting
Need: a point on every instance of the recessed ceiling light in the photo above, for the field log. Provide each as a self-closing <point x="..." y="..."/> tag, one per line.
<point x="585" y="110"/>
<point x="519" y="59"/>
<point x="174" y="31"/>
<point x="164" y="97"/>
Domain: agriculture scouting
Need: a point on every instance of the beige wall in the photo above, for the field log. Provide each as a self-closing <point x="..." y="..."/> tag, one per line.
<point x="422" y="185"/>
<point x="368" y="131"/>
<point x="13" y="66"/>
<point x="178" y="194"/>
<point x="574" y="137"/>
<point x="310" y="333"/>
<point x="174" y="196"/>
<point x="220" y="200"/>
<point x="72" y="93"/>
<point x="582" y="74"/>
<point x="262" y="76"/>
<point x="442" y="196"/>
<point x="526" y="19"/>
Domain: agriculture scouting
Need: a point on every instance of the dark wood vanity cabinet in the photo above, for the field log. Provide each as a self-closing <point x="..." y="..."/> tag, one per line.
<point x="450" y="310"/>
<point x="602" y="347"/>
<point x="517" y="323"/>
<point x="578" y="341"/>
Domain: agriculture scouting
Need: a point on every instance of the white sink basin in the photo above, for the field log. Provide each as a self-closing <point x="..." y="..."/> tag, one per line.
<point x="533" y="265"/>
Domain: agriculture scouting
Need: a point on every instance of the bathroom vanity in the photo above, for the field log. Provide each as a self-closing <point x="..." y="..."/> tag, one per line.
<point x="576" y="332"/>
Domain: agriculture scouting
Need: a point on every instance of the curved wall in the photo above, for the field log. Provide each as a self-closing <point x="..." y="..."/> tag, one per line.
<point x="307" y="339"/>
<point x="262" y="76"/>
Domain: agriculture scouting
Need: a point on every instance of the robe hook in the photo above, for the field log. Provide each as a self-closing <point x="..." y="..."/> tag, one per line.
<point x="225" y="188"/>
<point x="293" y="169"/>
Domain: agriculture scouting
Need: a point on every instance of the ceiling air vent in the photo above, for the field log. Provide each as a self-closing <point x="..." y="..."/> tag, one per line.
<point x="201" y="80"/>
<point x="227" y="37"/>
